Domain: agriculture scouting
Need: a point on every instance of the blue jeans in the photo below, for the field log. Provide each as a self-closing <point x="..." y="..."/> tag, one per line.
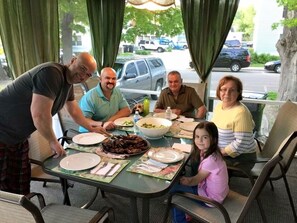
<point x="179" y="216"/>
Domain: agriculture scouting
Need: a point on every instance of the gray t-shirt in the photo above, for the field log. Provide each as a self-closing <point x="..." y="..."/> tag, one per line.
<point x="48" y="79"/>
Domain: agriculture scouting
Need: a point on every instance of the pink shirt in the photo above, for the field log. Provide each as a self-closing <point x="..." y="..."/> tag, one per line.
<point x="215" y="186"/>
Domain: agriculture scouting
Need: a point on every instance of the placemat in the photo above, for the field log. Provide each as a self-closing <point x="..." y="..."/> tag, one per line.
<point x="166" y="174"/>
<point x="88" y="175"/>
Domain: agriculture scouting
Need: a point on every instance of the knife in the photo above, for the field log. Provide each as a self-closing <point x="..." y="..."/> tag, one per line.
<point x="111" y="168"/>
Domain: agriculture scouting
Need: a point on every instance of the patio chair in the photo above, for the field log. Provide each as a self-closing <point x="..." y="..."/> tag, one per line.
<point x="235" y="206"/>
<point x="284" y="125"/>
<point x="19" y="208"/>
<point x="39" y="150"/>
<point x="91" y="83"/>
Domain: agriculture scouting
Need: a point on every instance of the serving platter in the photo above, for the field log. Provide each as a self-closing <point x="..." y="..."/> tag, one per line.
<point x="80" y="161"/>
<point x="89" y="138"/>
<point x="130" y="145"/>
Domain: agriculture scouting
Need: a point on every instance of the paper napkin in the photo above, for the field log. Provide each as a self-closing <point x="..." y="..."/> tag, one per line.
<point x="186" y="148"/>
<point x="104" y="170"/>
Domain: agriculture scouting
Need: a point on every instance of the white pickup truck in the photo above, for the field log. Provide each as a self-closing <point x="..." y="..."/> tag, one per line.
<point x="152" y="45"/>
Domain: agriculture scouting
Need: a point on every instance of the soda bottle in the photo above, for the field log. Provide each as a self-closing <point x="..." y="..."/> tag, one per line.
<point x="168" y="113"/>
<point x="136" y="117"/>
<point x="146" y="106"/>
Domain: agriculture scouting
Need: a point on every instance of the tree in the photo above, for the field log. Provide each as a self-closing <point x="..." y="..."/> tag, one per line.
<point x="141" y="22"/>
<point x="244" y="22"/>
<point x="287" y="49"/>
<point x="73" y="19"/>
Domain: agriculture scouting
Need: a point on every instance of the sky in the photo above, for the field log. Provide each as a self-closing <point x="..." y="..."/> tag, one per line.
<point x="246" y="3"/>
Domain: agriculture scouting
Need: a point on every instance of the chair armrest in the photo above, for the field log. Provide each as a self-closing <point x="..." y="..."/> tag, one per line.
<point x="100" y="215"/>
<point x="208" y="201"/>
<point x="37" y="162"/>
<point x="39" y="197"/>
<point x="67" y="136"/>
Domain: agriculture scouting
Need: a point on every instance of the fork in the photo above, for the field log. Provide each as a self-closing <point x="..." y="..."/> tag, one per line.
<point x="99" y="167"/>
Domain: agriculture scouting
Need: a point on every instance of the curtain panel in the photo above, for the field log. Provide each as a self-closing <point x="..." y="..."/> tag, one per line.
<point x="207" y="24"/>
<point x="106" y="23"/>
<point x="29" y="31"/>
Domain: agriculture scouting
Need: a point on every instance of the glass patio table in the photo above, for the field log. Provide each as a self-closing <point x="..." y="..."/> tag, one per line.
<point x="128" y="184"/>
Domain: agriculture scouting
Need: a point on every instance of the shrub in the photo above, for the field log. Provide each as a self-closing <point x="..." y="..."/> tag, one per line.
<point x="262" y="58"/>
<point x="271" y="95"/>
<point x="142" y="52"/>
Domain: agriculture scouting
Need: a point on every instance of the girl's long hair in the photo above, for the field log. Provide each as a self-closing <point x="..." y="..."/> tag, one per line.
<point x="212" y="130"/>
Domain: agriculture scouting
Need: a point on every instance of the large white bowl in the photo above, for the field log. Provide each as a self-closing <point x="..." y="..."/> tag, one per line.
<point x="162" y="126"/>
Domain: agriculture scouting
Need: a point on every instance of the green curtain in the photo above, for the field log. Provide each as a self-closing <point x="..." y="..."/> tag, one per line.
<point x="29" y="31"/>
<point x="207" y="24"/>
<point x="106" y="23"/>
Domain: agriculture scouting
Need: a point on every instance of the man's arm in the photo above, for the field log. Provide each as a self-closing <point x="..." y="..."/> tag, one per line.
<point x="124" y="112"/>
<point x="201" y="112"/>
<point x="41" y="107"/>
<point x="77" y="115"/>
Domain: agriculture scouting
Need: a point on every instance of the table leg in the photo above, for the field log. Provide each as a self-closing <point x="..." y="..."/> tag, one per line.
<point x="134" y="210"/>
<point x="145" y="210"/>
<point x="65" y="186"/>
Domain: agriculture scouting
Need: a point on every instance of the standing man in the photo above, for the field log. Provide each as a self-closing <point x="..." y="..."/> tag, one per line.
<point x="28" y="104"/>
<point x="182" y="99"/>
<point x="105" y="102"/>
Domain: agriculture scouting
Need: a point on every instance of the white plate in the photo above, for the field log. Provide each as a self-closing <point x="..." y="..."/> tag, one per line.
<point x="123" y="121"/>
<point x="163" y="115"/>
<point x="80" y="161"/>
<point x="188" y="126"/>
<point x="89" y="138"/>
<point x="166" y="155"/>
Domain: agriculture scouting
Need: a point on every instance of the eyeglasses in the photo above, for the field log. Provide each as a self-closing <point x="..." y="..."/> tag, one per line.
<point x="225" y="90"/>
<point x="83" y="69"/>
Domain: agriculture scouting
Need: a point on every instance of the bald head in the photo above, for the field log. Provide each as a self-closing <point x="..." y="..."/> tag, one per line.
<point x="108" y="78"/>
<point x="88" y="61"/>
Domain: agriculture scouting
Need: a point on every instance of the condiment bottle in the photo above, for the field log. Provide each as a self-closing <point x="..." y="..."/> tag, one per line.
<point x="146" y="106"/>
<point x="136" y="117"/>
<point x="168" y="113"/>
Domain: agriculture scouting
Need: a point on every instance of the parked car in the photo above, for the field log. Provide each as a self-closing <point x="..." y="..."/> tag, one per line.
<point x="157" y="45"/>
<point x="232" y="43"/>
<point x="144" y="74"/>
<point x="233" y="58"/>
<point x="5" y="66"/>
<point x="180" y="45"/>
<point x="273" y="66"/>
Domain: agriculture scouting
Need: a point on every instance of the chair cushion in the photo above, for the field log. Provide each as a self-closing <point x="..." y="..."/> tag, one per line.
<point x="54" y="213"/>
<point x="233" y="204"/>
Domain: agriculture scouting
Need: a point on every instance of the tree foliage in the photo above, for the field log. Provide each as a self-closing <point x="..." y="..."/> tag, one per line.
<point x="290" y="21"/>
<point x="141" y="22"/>
<point x="244" y="22"/>
<point x="73" y="19"/>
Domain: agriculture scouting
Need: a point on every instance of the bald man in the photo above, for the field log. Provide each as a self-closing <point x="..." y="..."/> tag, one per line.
<point x="28" y="104"/>
<point x="105" y="102"/>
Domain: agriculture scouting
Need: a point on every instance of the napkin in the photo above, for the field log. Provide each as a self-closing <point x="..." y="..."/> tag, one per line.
<point x="182" y="147"/>
<point x="155" y="163"/>
<point x="104" y="170"/>
<point x="148" y="168"/>
<point x="184" y="119"/>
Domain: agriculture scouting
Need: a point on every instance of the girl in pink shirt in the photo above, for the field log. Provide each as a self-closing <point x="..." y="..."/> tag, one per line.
<point x="212" y="178"/>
